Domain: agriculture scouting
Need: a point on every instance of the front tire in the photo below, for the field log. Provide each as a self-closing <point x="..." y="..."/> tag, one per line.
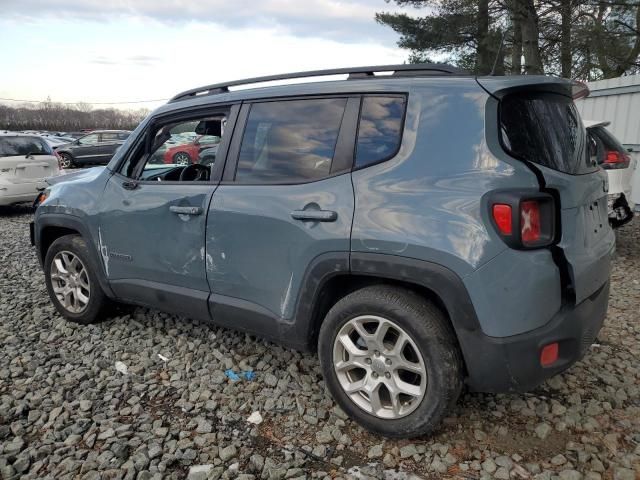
<point x="72" y="283"/>
<point x="390" y="360"/>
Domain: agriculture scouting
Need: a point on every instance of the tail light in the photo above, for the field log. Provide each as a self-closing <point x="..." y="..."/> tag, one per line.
<point x="614" y="159"/>
<point x="524" y="219"/>
<point x="503" y="218"/>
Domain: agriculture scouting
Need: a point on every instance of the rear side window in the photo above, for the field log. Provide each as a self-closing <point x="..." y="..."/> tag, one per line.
<point x="380" y="129"/>
<point x="109" y="137"/>
<point x="290" y="141"/>
<point x="14" y="146"/>
<point x="546" y="129"/>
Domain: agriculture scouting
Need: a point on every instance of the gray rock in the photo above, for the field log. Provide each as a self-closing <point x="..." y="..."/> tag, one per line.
<point x="227" y="453"/>
<point x="375" y="451"/>
<point x="620" y="473"/>
<point x="408" y="451"/>
<point x="543" y="430"/>
<point x="489" y="465"/>
<point x="502" y="473"/>
<point x="570" y="475"/>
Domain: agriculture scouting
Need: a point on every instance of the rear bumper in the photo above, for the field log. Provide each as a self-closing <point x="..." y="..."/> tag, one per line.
<point x="513" y="363"/>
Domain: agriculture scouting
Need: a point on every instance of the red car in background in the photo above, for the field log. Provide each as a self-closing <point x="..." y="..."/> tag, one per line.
<point x="188" y="153"/>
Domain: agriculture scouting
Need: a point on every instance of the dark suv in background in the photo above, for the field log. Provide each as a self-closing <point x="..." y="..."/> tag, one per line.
<point x="95" y="148"/>
<point x="422" y="230"/>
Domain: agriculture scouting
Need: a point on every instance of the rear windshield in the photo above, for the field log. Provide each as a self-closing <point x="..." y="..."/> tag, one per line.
<point x="609" y="141"/>
<point x="13" y="146"/>
<point x="545" y="128"/>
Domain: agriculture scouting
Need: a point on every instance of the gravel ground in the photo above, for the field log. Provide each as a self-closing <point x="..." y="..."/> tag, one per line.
<point x="66" y="411"/>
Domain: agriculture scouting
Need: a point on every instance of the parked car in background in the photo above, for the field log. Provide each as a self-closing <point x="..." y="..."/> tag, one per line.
<point x="619" y="165"/>
<point x="96" y="148"/>
<point x="421" y="230"/>
<point x="25" y="162"/>
<point x="56" y="142"/>
<point x="188" y="153"/>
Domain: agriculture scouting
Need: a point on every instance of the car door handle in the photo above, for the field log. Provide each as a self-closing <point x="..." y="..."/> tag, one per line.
<point x="315" y="215"/>
<point x="185" y="210"/>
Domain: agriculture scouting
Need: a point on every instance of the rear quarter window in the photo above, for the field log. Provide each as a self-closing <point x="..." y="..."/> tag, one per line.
<point x="380" y="129"/>
<point x="546" y="129"/>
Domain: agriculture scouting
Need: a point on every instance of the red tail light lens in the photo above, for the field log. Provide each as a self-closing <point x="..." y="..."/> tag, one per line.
<point x="502" y="217"/>
<point x="615" y="159"/>
<point x="530" y="227"/>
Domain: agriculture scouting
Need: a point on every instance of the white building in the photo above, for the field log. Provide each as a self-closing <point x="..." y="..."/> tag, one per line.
<point x="618" y="100"/>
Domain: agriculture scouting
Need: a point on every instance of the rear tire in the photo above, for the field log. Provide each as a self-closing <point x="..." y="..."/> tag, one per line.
<point x="66" y="160"/>
<point x="182" y="158"/>
<point x="72" y="281"/>
<point x="408" y="368"/>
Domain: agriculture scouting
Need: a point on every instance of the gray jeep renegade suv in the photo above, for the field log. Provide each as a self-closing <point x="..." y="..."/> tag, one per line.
<point x="423" y="230"/>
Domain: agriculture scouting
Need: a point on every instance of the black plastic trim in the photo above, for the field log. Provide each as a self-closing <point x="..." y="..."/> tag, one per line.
<point x="514" y="198"/>
<point x="182" y="301"/>
<point x="45" y="220"/>
<point x="419" y="69"/>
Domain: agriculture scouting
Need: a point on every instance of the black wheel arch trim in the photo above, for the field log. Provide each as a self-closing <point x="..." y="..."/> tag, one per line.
<point x="70" y="222"/>
<point x="442" y="281"/>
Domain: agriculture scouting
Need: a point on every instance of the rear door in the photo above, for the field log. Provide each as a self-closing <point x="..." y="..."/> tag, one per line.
<point x="109" y="143"/>
<point x="543" y="128"/>
<point x="285" y="202"/>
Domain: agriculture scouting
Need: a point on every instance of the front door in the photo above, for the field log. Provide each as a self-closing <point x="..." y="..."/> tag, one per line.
<point x="87" y="149"/>
<point x="285" y="202"/>
<point x="151" y="229"/>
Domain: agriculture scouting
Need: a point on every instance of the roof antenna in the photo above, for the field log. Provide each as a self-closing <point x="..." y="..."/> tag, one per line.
<point x="495" y="62"/>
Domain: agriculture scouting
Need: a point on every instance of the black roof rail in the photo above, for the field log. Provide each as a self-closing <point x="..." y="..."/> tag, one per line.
<point x="413" y="69"/>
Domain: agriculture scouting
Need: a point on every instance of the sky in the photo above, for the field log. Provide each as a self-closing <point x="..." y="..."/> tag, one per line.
<point x="131" y="50"/>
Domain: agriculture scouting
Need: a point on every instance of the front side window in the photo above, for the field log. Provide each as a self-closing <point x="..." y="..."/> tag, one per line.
<point x="183" y="150"/>
<point x="290" y="141"/>
<point x="379" y="133"/>
<point x="89" y="139"/>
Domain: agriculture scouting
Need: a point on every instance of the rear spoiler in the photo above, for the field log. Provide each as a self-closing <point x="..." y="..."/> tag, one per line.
<point x="500" y="86"/>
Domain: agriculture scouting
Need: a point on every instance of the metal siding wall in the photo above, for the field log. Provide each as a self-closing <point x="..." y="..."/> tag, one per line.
<point x="622" y="110"/>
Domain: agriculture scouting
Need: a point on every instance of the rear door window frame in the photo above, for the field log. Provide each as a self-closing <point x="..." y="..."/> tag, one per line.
<point x="344" y="152"/>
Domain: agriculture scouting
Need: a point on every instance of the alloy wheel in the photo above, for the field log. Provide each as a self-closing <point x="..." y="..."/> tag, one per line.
<point x="70" y="281"/>
<point x="379" y="367"/>
<point x="182" y="158"/>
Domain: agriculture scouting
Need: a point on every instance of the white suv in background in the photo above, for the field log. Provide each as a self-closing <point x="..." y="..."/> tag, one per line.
<point x="25" y="161"/>
<point x="619" y="165"/>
